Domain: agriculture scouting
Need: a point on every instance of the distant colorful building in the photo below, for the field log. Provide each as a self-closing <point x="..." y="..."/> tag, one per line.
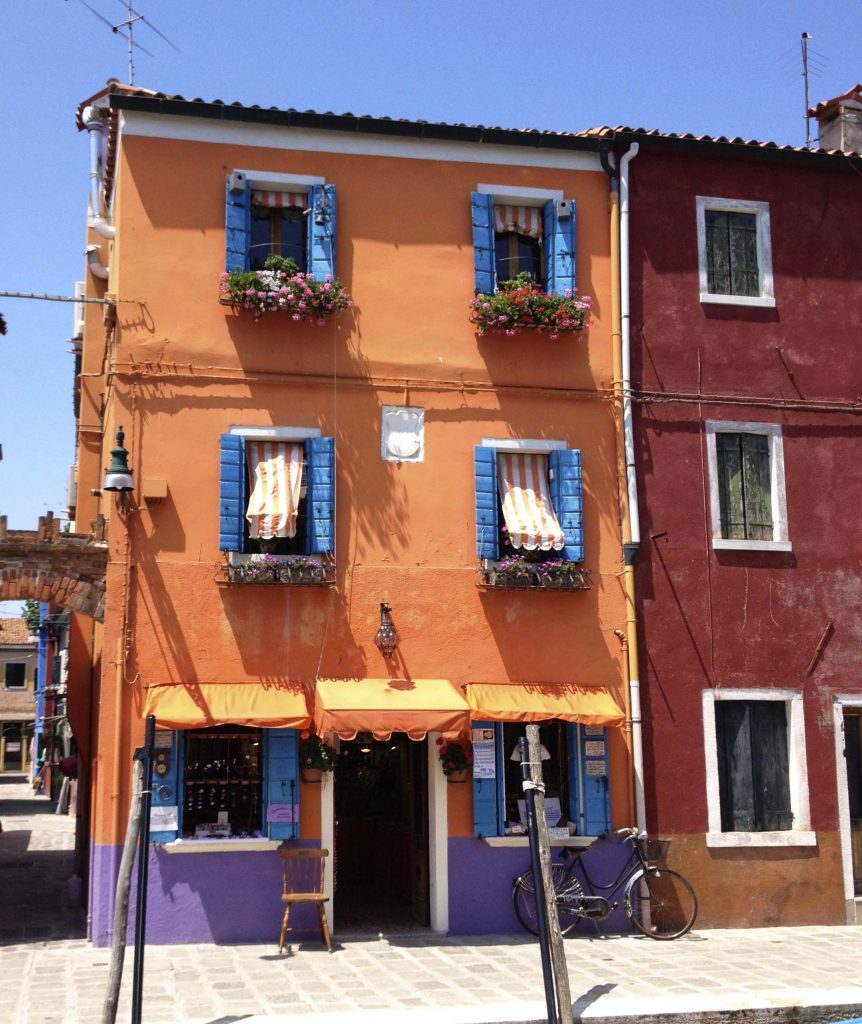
<point x="306" y="481"/>
<point x="17" y="694"/>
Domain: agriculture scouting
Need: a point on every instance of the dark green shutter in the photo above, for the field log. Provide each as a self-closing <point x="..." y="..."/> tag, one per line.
<point x="731" y="253"/>
<point x="744" y="486"/>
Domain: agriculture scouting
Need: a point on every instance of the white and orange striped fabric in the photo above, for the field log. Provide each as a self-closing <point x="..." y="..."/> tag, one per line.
<point x="526" y="220"/>
<point x="259" y="197"/>
<point x="526" y="502"/>
<point x="274" y="481"/>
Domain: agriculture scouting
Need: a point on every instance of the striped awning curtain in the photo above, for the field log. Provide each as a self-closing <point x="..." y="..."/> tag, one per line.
<point x="526" y="501"/>
<point x="526" y="220"/>
<point x="274" y="481"/>
<point x="260" y="197"/>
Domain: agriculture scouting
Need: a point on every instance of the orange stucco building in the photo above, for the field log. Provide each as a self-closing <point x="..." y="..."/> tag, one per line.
<point x="384" y="406"/>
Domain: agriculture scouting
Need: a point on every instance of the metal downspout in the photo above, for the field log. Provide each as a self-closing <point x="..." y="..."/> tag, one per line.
<point x="629" y="518"/>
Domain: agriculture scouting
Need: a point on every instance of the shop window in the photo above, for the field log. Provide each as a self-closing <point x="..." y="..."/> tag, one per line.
<point x="226" y="782"/>
<point x="574" y="770"/>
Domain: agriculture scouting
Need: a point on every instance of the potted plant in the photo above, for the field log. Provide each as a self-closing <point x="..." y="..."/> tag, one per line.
<point x="514" y="571"/>
<point x="282" y="287"/>
<point x="316" y="756"/>
<point x="455" y="759"/>
<point x="521" y="304"/>
<point x="302" y="569"/>
<point x="258" y="569"/>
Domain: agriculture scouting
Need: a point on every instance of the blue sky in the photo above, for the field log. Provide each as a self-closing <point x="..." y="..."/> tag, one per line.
<point x="727" y="68"/>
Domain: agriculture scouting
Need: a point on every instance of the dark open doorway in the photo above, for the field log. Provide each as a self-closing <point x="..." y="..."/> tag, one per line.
<point x="381" y="835"/>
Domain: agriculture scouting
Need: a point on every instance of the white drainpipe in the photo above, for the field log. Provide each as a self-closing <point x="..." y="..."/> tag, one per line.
<point x="95" y="126"/>
<point x="96" y="268"/>
<point x="631" y="479"/>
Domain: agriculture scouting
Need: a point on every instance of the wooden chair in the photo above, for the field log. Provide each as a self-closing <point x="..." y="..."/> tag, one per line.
<point x="302" y="874"/>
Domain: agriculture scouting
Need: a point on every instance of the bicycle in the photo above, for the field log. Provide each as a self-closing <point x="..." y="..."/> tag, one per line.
<point x="659" y="902"/>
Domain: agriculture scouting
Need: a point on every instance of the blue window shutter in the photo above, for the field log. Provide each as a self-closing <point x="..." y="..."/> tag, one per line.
<point x="484" y="258"/>
<point x="320" y="238"/>
<point x="231" y="522"/>
<point x="593" y="811"/>
<point x="165" y="787"/>
<point x="237" y="224"/>
<point x="558" y="245"/>
<point x="487" y="502"/>
<point x="567" y="497"/>
<point x="488" y="794"/>
<point x="282" y="781"/>
<point x="320" y="495"/>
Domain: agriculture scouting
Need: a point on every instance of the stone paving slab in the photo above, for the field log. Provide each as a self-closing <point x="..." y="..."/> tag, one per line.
<point x="49" y="974"/>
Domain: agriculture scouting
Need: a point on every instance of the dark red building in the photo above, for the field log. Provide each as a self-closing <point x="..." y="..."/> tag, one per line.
<point x="746" y="327"/>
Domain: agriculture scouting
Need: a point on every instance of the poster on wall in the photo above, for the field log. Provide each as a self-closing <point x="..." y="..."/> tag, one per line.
<point x="484" y="754"/>
<point x="283" y="814"/>
<point x="164" y="819"/>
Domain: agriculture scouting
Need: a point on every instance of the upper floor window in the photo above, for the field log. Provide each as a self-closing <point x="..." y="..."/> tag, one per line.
<point x="286" y="215"/>
<point x="277" y="491"/>
<point x="529" y="499"/>
<point x="517" y="231"/>
<point x="278" y="227"/>
<point x="734" y="252"/>
<point x="15" y="675"/>
<point x="746" y="481"/>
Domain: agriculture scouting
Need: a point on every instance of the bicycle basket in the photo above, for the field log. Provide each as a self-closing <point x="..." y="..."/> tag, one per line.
<point x="654" y="850"/>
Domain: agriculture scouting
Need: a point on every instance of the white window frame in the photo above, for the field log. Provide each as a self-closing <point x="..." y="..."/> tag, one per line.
<point x="766" y="296"/>
<point x="797" y="769"/>
<point x="270" y="434"/>
<point x="276" y="181"/>
<point x="778" y="497"/>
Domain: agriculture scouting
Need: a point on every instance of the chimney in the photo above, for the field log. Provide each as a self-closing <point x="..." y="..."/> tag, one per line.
<point x="840" y="121"/>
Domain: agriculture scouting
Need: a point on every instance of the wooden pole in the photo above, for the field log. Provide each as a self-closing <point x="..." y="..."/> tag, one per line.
<point x="555" y="936"/>
<point x="121" y="898"/>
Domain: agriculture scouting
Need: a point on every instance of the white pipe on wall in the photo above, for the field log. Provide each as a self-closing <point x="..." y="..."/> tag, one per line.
<point x="95" y="126"/>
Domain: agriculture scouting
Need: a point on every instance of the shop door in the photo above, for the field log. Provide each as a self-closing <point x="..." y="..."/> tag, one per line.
<point x="381" y="835"/>
<point x="853" y="756"/>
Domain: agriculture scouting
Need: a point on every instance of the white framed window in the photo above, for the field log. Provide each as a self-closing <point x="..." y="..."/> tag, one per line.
<point x="756" y="768"/>
<point x="734" y="251"/>
<point x="747" y="499"/>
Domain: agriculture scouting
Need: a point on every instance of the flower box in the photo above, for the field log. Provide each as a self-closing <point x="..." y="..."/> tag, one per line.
<point x="520" y="304"/>
<point x="260" y="570"/>
<point x="282" y="288"/>
<point x="516" y="573"/>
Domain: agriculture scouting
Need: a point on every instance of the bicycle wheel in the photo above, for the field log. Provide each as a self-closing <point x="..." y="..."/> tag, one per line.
<point x="566" y="886"/>
<point x="661" y="903"/>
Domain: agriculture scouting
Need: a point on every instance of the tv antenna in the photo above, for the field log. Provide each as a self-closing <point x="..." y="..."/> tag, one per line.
<point x="804" y="40"/>
<point x="126" y="29"/>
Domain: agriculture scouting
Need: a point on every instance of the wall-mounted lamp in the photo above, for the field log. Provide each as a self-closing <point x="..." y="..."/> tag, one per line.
<point x="320" y="216"/>
<point x="118" y="477"/>
<point x="387" y="636"/>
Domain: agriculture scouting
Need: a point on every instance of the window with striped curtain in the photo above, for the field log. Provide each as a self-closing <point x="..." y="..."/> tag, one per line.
<point x="278" y="227"/>
<point x="530" y="521"/>
<point x="518" y="241"/>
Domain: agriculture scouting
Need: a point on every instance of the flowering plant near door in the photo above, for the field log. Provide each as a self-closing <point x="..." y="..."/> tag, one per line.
<point x="455" y="757"/>
<point x="315" y="754"/>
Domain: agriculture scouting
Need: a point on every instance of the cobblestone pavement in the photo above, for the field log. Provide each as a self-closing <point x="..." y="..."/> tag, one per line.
<point x="50" y="975"/>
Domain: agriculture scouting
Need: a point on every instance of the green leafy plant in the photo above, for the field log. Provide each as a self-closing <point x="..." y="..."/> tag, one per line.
<point x="454" y="756"/>
<point x="520" y="304"/>
<point x="316" y="753"/>
<point x="282" y="287"/>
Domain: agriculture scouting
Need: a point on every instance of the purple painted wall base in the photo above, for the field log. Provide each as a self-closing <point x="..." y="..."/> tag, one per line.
<point x="199" y="897"/>
<point x="480" y="886"/>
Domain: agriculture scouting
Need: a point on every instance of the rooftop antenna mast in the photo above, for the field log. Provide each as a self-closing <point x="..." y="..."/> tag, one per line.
<point x="126" y="29"/>
<point x="804" y="41"/>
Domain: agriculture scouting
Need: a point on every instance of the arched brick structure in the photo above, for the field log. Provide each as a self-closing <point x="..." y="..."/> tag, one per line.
<point x="67" y="569"/>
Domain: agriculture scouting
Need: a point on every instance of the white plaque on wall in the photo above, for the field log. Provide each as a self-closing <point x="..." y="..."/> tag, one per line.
<point x="402" y="433"/>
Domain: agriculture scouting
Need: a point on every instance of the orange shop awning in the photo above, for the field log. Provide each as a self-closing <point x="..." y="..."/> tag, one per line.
<point x="384" y="706"/>
<point x="538" y="702"/>
<point x="197" y="705"/>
